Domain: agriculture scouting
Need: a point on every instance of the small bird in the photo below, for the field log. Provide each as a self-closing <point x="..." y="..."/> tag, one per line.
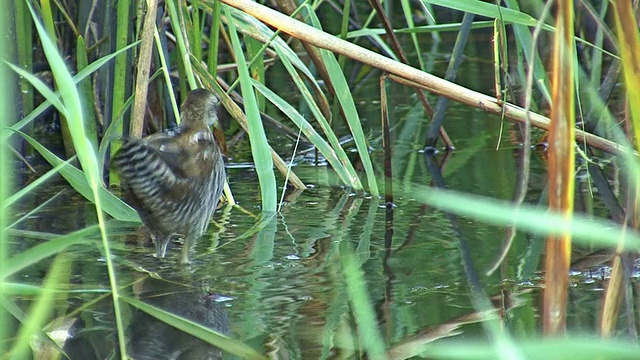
<point x="174" y="179"/>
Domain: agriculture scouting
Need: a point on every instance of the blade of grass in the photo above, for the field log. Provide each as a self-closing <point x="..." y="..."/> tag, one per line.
<point x="596" y="54"/>
<point x="344" y="28"/>
<point x="386" y="142"/>
<point x="537" y="220"/>
<point x="352" y="178"/>
<point x="614" y="292"/>
<point x="489" y="10"/>
<point x="629" y="45"/>
<point x="24" y="41"/>
<point x="525" y="41"/>
<point x="630" y="54"/>
<point x="259" y="144"/>
<point x="408" y="18"/>
<point x="5" y="133"/>
<point x="306" y="129"/>
<point x="256" y="68"/>
<point x="252" y="27"/>
<point x="420" y="29"/>
<point x="41" y="87"/>
<point x="47" y="18"/>
<point x="214" y="39"/>
<point x="182" y="43"/>
<point x="165" y="71"/>
<point x="85" y="88"/>
<point x="194" y="29"/>
<point x="86" y="155"/>
<point x="32" y="186"/>
<point x="585" y="347"/>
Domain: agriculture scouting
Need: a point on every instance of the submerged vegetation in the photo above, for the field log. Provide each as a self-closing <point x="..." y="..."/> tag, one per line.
<point x="104" y="70"/>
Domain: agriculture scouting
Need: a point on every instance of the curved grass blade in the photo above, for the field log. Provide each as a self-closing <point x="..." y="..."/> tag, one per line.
<point x="307" y="130"/>
<point x="256" y="29"/>
<point x="346" y="101"/>
<point x="112" y="205"/>
<point x="252" y="27"/>
<point x="351" y="178"/>
<point x="402" y="72"/>
<point x="41" y="87"/>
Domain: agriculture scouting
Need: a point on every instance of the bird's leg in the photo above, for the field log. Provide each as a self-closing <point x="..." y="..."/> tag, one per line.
<point x="189" y="240"/>
<point x="161" y="244"/>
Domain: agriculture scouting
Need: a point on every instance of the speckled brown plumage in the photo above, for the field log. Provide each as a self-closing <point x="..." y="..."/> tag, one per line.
<point x="174" y="179"/>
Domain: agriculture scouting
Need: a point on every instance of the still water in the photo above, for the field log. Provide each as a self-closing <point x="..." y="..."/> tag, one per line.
<point x="278" y="285"/>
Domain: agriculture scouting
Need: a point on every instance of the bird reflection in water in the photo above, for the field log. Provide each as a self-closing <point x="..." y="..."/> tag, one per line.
<point x="147" y="337"/>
